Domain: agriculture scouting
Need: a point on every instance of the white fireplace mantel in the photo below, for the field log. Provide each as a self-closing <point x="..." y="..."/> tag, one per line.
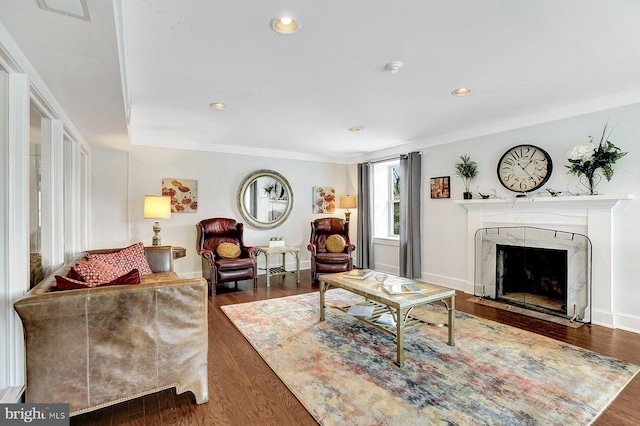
<point x="544" y="203"/>
<point x="591" y="215"/>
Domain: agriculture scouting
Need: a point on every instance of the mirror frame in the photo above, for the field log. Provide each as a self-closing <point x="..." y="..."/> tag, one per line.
<point x="245" y="185"/>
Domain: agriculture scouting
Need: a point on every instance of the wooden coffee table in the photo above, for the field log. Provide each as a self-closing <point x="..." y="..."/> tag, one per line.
<point x="399" y="306"/>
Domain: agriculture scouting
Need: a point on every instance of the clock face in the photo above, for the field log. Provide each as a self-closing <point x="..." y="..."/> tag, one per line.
<point x="524" y="168"/>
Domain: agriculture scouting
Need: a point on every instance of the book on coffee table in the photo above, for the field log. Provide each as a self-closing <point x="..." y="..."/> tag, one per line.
<point x="358" y="274"/>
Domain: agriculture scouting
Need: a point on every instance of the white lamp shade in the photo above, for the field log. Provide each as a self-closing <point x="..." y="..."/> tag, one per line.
<point x="157" y="207"/>
<point x="347" y="202"/>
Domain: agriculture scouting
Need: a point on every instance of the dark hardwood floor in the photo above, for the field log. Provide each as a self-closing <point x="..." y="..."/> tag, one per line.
<point x="244" y="391"/>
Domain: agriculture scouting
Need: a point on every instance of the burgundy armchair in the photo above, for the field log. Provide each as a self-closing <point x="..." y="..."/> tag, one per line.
<point x="322" y="260"/>
<point x="216" y="269"/>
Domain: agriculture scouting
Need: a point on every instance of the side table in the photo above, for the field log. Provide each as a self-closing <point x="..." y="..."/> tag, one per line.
<point x="279" y="270"/>
<point x="178" y="252"/>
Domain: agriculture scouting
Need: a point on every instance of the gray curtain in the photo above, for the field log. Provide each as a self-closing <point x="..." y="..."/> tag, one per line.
<point x="410" y="184"/>
<point x="364" y="242"/>
<point x="253" y="204"/>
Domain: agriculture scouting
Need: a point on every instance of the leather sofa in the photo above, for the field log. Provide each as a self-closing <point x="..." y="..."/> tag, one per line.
<point x="95" y="347"/>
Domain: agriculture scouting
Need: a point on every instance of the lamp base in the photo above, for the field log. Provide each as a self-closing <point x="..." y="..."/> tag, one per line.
<point x="156" y="240"/>
<point x="347" y="216"/>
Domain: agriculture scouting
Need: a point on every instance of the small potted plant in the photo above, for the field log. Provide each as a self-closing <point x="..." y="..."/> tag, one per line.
<point x="467" y="170"/>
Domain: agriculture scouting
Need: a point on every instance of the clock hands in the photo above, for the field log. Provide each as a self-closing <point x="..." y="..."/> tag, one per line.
<point x="525" y="170"/>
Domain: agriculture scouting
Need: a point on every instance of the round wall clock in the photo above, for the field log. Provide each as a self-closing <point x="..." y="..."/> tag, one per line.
<point x="524" y="168"/>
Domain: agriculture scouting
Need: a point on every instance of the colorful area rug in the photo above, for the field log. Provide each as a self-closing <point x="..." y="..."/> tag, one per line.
<point x="342" y="369"/>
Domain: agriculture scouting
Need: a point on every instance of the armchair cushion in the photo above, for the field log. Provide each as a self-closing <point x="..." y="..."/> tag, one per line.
<point x="335" y="243"/>
<point x="332" y="257"/>
<point x="228" y="250"/>
<point x="237" y="263"/>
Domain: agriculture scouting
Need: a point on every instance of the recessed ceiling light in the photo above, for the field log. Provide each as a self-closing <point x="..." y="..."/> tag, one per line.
<point x="285" y="25"/>
<point x="463" y="91"/>
<point x="73" y="8"/>
<point x="354" y="129"/>
<point x="218" y="105"/>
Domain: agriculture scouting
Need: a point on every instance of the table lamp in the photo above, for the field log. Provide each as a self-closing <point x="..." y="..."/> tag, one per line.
<point x="347" y="202"/>
<point x="157" y="207"/>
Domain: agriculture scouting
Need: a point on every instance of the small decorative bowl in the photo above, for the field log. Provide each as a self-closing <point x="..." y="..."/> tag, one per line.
<point x="380" y="278"/>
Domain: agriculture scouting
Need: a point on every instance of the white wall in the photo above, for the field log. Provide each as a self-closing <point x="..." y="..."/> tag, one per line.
<point x="218" y="176"/>
<point x="444" y="224"/>
<point x="109" y="198"/>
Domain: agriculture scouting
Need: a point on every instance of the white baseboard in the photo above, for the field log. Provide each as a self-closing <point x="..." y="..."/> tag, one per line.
<point x="387" y="269"/>
<point x="454" y="283"/>
<point x="627" y="322"/>
<point x="603" y="318"/>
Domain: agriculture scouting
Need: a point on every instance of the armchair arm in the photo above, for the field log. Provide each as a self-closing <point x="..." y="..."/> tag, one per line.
<point x="251" y="251"/>
<point x="313" y="248"/>
<point x="349" y="247"/>
<point x="207" y="254"/>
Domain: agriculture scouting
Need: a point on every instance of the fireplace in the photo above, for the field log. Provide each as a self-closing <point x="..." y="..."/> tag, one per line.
<point x="539" y="269"/>
<point x="589" y="218"/>
<point x="532" y="277"/>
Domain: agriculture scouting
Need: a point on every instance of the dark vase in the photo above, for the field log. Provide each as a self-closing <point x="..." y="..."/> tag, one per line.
<point x="467" y="195"/>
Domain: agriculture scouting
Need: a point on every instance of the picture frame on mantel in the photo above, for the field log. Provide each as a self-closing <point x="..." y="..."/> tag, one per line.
<point x="440" y="187"/>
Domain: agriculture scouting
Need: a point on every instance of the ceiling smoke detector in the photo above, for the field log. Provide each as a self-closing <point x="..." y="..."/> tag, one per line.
<point x="393" y="67"/>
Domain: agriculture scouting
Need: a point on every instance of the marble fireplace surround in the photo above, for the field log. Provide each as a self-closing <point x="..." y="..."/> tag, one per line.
<point x="575" y="245"/>
<point x="588" y="215"/>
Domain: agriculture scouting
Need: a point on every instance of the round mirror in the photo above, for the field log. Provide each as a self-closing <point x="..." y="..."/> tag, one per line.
<point x="265" y="199"/>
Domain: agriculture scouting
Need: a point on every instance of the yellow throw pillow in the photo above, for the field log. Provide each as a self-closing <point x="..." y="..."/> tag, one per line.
<point x="228" y="250"/>
<point x="335" y="243"/>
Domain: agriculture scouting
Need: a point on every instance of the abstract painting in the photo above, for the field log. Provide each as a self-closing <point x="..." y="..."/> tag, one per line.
<point x="324" y="199"/>
<point x="183" y="193"/>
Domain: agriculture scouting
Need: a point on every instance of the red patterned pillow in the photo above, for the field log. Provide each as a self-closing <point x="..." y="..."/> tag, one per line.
<point x="73" y="274"/>
<point x="128" y="258"/>
<point x="67" y="283"/>
<point x="96" y="271"/>
<point x="131" y="277"/>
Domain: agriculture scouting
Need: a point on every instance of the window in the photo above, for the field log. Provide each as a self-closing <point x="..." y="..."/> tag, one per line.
<point x="394" y="211"/>
<point x="386" y="199"/>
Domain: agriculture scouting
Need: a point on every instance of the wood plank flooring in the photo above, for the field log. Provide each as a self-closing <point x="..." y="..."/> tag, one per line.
<point x="244" y="391"/>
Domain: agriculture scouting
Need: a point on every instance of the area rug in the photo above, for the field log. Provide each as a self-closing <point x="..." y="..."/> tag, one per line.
<point x="342" y="369"/>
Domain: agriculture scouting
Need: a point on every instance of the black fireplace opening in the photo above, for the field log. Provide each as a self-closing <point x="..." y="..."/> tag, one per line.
<point x="532" y="277"/>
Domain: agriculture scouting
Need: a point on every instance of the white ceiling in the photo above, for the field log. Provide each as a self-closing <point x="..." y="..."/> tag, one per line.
<point x="295" y="96"/>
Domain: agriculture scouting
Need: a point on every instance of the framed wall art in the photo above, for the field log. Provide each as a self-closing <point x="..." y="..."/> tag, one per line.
<point x="323" y="199"/>
<point x="440" y="187"/>
<point x="183" y="193"/>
